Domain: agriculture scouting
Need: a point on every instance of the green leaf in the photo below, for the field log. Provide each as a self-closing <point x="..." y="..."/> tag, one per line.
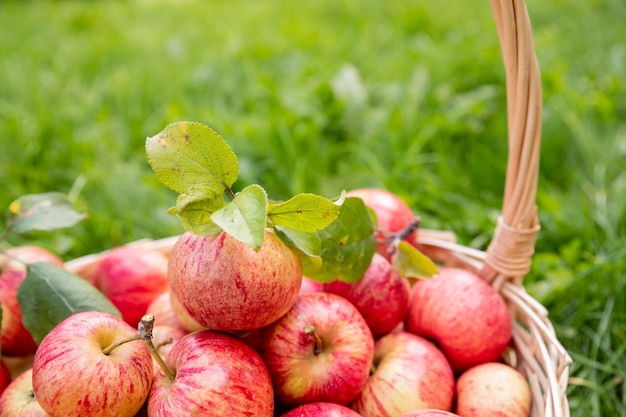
<point x="190" y="155"/>
<point x="348" y="245"/>
<point x="49" y="294"/>
<point x="46" y="212"/>
<point x="194" y="209"/>
<point x="413" y="264"/>
<point x="304" y="212"/>
<point x="245" y="217"/>
<point x="308" y="243"/>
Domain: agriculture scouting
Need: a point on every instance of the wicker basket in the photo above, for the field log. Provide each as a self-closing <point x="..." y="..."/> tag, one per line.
<point x="535" y="349"/>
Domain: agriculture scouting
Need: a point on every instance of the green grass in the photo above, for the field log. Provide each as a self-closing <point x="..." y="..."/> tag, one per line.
<point x="421" y="112"/>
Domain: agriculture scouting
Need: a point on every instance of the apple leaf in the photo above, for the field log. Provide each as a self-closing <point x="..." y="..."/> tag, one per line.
<point x="45" y="212"/>
<point x="411" y="263"/>
<point x="245" y="217"/>
<point x="304" y="212"/>
<point x="194" y="209"/>
<point x="49" y="294"/>
<point x="348" y="245"/>
<point x="190" y="155"/>
<point x="308" y="243"/>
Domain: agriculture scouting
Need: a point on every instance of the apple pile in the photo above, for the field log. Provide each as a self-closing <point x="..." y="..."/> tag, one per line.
<point x="216" y="328"/>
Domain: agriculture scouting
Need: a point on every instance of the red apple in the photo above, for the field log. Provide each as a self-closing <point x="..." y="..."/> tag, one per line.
<point x="321" y="409"/>
<point x="18" y="399"/>
<point x="310" y="285"/>
<point x="491" y="390"/>
<point x="392" y="213"/>
<point x="320" y="350"/>
<point x="430" y="413"/>
<point x="5" y="376"/>
<point x="16" y="340"/>
<point x="467" y="318"/>
<point x="215" y="375"/>
<point x="72" y="355"/>
<point x="381" y="295"/>
<point x="410" y="373"/>
<point x="132" y="278"/>
<point x="226" y="285"/>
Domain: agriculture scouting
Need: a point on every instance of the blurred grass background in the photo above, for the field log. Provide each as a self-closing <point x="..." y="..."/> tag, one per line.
<point x="321" y="96"/>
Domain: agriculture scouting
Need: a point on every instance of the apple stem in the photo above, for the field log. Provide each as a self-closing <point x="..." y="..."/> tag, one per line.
<point x="145" y="327"/>
<point x="392" y="239"/>
<point x="107" y="350"/>
<point x="319" y="345"/>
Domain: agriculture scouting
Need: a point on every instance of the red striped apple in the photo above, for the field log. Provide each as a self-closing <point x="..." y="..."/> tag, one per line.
<point x="214" y="374"/>
<point x="320" y="351"/>
<point x="492" y="389"/>
<point x="76" y="373"/>
<point x="409" y="373"/>
<point x="226" y="285"/>
<point x="132" y="278"/>
<point x="18" y="399"/>
<point x="467" y="318"/>
<point x="321" y="409"/>
<point x="16" y="340"/>
<point x="381" y="295"/>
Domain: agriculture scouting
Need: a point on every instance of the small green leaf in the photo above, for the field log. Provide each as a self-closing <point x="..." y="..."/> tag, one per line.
<point x="413" y="264"/>
<point x="189" y="155"/>
<point x="46" y="212"/>
<point x="49" y="294"/>
<point x="304" y="212"/>
<point x="245" y="217"/>
<point x="194" y="209"/>
<point x="308" y="243"/>
<point x="348" y="245"/>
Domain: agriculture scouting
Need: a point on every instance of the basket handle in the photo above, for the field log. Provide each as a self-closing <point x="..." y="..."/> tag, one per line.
<point x="512" y="247"/>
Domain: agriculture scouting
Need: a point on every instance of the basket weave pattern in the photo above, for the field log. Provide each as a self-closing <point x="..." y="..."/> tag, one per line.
<point x="535" y="349"/>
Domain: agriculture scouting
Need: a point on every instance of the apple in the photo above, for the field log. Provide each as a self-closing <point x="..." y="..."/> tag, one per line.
<point x="492" y="389"/>
<point x="225" y="285"/>
<point x="392" y="213"/>
<point x="132" y="278"/>
<point x="5" y="376"/>
<point x="310" y="285"/>
<point x="409" y="373"/>
<point x="77" y="354"/>
<point x="321" y="350"/>
<point x="321" y="409"/>
<point x="430" y="413"/>
<point x="163" y="311"/>
<point x="18" y="399"/>
<point x="467" y="318"/>
<point x="381" y="295"/>
<point x="215" y="374"/>
<point x="16" y="340"/>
